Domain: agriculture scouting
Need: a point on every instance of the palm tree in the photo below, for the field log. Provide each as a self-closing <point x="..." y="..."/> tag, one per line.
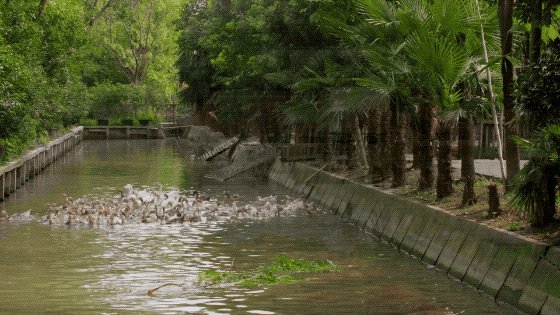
<point x="441" y="50"/>
<point x="536" y="185"/>
<point x="381" y="85"/>
<point x="441" y="62"/>
<point x="425" y="34"/>
<point x="472" y="107"/>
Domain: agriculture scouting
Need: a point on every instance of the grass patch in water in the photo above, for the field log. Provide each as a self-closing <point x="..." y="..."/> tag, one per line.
<point x="282" y="270"/>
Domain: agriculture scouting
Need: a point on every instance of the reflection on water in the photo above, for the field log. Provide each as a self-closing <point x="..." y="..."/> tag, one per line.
<point x="104" y="166"/>
<point x="69" y="270"/>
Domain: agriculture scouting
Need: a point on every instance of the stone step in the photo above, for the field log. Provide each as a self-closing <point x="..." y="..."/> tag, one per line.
<point x="240" y="166"/>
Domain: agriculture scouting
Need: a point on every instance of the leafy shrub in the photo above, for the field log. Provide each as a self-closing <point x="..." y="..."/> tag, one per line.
<point x="115" y="100"/>
<point x="538" y="90"/>
<point x="88" y="122"/>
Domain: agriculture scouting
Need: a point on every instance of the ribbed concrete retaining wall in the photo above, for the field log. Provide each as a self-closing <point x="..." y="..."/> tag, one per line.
<point x="518" y="271"/>
<point x="16" y="173"/>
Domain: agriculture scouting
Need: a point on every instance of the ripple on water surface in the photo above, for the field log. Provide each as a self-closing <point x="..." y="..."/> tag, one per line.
<point x="61" y="270"/>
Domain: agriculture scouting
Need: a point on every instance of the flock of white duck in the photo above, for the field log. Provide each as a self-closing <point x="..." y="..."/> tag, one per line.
<point x="154" y="205"/>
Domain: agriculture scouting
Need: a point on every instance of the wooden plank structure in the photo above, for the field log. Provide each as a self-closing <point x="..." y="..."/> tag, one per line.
<point x="219" y="149"/>
<point x="240" y="166"/>
<point x="134" y="132"/>
<point x="300" y="151"/>
<point x="14" y="174"/>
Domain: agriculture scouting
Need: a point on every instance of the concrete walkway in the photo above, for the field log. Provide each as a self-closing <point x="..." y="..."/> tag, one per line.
<point x="486" y="167"/>
<point x="482" y="166"/>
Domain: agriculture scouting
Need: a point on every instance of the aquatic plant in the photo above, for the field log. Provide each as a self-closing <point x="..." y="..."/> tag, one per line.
<point x="282" y="270"/>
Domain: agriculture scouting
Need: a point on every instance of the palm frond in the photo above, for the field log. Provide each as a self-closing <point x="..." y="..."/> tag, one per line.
<point x="438" y="58"/>
<point x="301" y="110"/>
<point x="357" y="99"/>
<point x="285" y="79"/>
<point x="378" y="12"/>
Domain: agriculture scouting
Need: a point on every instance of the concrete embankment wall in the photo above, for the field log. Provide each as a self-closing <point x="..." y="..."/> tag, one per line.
<point x="14" y="174"/>
<point x="518" y="271"/>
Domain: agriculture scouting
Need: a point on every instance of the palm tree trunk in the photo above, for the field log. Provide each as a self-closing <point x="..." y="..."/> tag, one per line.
<point x="444" y="185"/>
<point x="360" y="146"/>
<point x="545" y="206"/>
<point x="385" y="145"/>
<point x="466" y="146"/>
<point x="536" y="30"/>
<point x="329" y="152"/>
<point x="375" y="170"/>
<point x="426" y="114"/>
<point x="413" y="123"/>
<point x="398" y="161"/>
<point x="349" y="142"/>
<point x="505" y="14"/>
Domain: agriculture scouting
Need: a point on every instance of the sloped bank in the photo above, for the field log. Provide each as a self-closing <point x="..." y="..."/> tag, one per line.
<point x="512" y="269"/>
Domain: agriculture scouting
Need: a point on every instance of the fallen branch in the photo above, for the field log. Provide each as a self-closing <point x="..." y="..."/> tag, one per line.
<point x="316" y="172"/>
<point x="151" y="291"/>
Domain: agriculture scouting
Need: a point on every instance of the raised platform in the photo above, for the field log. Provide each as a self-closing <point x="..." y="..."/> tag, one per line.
<point x="133" y="132"/>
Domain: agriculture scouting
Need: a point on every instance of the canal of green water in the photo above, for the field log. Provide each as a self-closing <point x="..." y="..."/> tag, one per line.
<point x="46" y="269"/>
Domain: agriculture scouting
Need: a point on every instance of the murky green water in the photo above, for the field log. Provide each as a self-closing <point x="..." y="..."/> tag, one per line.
<point x="68" y="270"/>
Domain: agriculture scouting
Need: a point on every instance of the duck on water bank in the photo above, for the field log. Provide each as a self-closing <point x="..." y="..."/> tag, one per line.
<point x="154" y="205"/>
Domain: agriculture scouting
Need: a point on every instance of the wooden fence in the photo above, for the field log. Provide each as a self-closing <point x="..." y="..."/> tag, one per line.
<point x="16" y="173"/>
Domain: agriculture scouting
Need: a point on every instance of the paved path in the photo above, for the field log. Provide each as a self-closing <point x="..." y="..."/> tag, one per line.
<point x="481" y="167"/>
<point x="486" y="167"/>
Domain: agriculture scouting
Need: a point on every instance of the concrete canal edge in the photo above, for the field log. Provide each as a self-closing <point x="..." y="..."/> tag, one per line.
<point x="515" y="270"/>
<point x="14" y="174"/>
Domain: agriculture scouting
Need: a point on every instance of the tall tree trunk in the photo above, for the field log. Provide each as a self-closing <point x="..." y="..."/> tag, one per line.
<point x="360" y="146"/>
<point x="505" y="14"/>
<point x="385" y="145"/>
<point x="374" y="135"/>
<point x="545" y="206"/>
<point x="444" y="185"/>
<point x="466" y="145"/>
<point x="413" y="123"/>
<point x="329" y="150"/>
<point x="350" y="144"/>
<point x="536" y="30"/>
<point x="398" y="161"/>
<point x="426" y="115"/>
<point x="505" y="17"/>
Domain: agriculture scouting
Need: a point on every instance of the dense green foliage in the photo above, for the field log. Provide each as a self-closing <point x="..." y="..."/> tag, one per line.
<point x="538" y="96"/>
<point x="71" y="60"/>
<point x="232" y="54"/>
<point x="343" y="67"/>
<point x="37" y="82"/>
